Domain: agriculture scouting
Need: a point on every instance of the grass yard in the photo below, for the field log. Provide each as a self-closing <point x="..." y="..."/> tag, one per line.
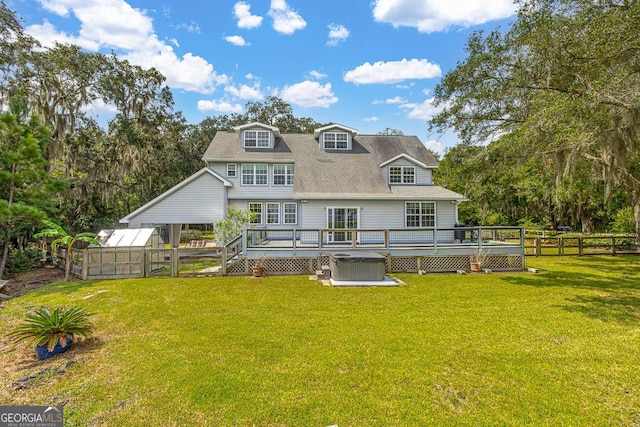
<point x="561" y="347"/>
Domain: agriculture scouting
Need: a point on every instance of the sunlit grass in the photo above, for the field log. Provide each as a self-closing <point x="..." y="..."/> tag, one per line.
<point x="560" y="347"/>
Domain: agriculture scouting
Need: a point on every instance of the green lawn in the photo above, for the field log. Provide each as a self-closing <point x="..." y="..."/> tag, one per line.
<point x="561" y="347"/>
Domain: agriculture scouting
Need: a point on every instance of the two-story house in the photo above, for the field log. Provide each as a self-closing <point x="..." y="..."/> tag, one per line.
<point x="331" y="179"/>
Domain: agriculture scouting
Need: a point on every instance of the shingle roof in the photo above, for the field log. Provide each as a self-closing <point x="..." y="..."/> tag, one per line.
<point x="328" y="173"/>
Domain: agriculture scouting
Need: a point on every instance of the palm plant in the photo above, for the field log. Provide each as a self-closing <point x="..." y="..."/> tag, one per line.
<point x="48" y="328"/>
<point x="63" y="238"/>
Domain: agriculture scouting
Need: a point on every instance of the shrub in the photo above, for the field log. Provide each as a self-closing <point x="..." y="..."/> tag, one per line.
<point x="624" y="221"/>
<point x="188" y="235"/>
<point x="20" y="260"/>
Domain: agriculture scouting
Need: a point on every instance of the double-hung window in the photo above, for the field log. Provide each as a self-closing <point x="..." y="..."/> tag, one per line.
<point x="257" y="138"/>
<point x="253" y="174"/>
<point x="231" y="170"/>
<point x="283" y="174"/>
<point x="290" y="213"/>
<point x="256" y="209"/>
<point x="402" y="175"/>
<point x="420" y="214"/>
<point x="273" y="213"/>
<point x="335" y="140"/>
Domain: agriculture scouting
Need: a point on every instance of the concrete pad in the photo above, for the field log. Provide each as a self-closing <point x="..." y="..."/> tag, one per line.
<point x="388" y="281"/>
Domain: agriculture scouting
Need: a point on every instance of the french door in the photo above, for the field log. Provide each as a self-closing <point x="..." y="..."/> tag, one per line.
<point x="346" y="218"/>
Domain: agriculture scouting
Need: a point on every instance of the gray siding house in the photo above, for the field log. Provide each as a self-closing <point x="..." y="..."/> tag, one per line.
<point x="331" y="179"/>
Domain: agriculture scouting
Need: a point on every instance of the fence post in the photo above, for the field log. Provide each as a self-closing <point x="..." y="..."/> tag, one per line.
<point x="224" y="260"/>
<point x="613" y="245"/>
<point x="560" y="246"/>
<point x="538" y="246"/>
<point x="143" y="263"/>
<point x="580" y="246"/>
<point x="85" y="264"/>
<point x="174" y="262"/>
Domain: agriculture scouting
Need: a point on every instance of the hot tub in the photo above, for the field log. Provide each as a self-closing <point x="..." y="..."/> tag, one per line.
<point x="357" y="266"/>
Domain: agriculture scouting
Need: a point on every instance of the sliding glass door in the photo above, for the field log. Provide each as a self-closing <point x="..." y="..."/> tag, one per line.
<point x="346" y="218"/>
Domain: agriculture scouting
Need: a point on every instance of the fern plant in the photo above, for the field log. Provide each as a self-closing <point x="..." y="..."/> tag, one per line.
<point x="47" y="328"/>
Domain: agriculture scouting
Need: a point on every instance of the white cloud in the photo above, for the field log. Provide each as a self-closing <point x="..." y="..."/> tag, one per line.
<point x="237" y="40"/>
<point x="220" y="106"/>
<point x="337" y="34"/>
<point x="115" y="25"/>
<point x="394" y="100"/>
<point x="98" y="107"/>
<point x="435" y="146"/>
<point x="371" y="119"/>
<point x="48" y="35"/>
<point x="244" y="92"/>
<point x="428" y="16"/>
<point x="317" y="75"/>
<point x="392" y="71"/>
<point x="423" y="111"/>
<point x="309" y="94"/>
<point x="285" y="19"/>
<point x="191" y="27"/>
<point x="246" y="20"/>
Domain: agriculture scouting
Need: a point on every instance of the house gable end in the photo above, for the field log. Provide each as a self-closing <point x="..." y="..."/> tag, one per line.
<point x="173" y="196"/>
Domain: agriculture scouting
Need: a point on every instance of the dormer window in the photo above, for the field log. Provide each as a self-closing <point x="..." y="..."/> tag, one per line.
<point x="257" y="139"/>
<point x="335" y="140"/>
<point x="402" y="174"/>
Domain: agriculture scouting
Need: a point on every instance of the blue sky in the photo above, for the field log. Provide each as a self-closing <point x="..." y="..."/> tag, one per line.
<point x="367" y="65"/>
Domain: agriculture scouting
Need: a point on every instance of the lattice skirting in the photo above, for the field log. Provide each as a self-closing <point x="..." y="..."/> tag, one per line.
<point x="429" y="264"/>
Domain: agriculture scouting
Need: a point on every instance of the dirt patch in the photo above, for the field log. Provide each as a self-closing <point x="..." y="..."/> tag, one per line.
<point x="32" y="279"/>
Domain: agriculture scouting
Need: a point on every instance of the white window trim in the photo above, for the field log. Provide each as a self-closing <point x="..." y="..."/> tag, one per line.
<point x="402" y="175"/>
<point x="324" y="142"/>
<point x="284" y="213"/>
<point x="256" y="139"/>
<point x="255" y="165"/>
<point x="435" y="214"/>
<point x="278" y="213"/>
<point x="287" y="167"/>
<point x="235" y="170"/>
<point x="260" y="219"/>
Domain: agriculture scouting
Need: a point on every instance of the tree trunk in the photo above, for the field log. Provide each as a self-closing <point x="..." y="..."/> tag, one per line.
<point x="636" y="217"/>
<point x="5" y="255"/>
<point x="67" y="265"/>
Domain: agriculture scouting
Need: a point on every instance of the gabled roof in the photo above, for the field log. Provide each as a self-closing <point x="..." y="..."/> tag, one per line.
<point x="407" y="157"/>
<point x="203" y="171"/>
<point x="317" y="132"/>
<point x="321" y="172"/>
<point x="253" y="125"/>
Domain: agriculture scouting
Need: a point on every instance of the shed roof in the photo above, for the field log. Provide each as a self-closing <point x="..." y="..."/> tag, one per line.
<point x="124" y="238"/>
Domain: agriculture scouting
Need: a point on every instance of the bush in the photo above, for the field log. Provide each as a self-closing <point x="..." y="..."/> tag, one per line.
<point x="22" y="260"/>
<point x="624" y="221"/>
<point x="189" y="235"/>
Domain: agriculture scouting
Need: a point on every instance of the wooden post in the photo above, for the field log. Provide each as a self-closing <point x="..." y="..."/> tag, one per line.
<point x="174" y="262"/>
<point x="85" y="264"/>
<point x="613" y="245"/>
<point x="560" y="246"/>
<point x="224" y="260"/>
<point x="580" y="246"/>
<point x="143" y="263"/>
<point x="538" y="246"/>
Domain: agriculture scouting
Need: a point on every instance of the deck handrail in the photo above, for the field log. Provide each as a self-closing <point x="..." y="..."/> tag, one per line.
<point x="381" y="238"/>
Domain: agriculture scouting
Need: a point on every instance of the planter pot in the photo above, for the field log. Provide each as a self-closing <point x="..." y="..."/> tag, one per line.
<point x="475" y="266"/>
<point x="43" y="352"/>
<point x="258" y="271"/>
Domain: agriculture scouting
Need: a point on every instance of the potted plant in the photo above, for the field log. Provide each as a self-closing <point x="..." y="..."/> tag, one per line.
<point x="52" y="331"/>
<point x="258" y="267"/>
<point x="477" y="259"/>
